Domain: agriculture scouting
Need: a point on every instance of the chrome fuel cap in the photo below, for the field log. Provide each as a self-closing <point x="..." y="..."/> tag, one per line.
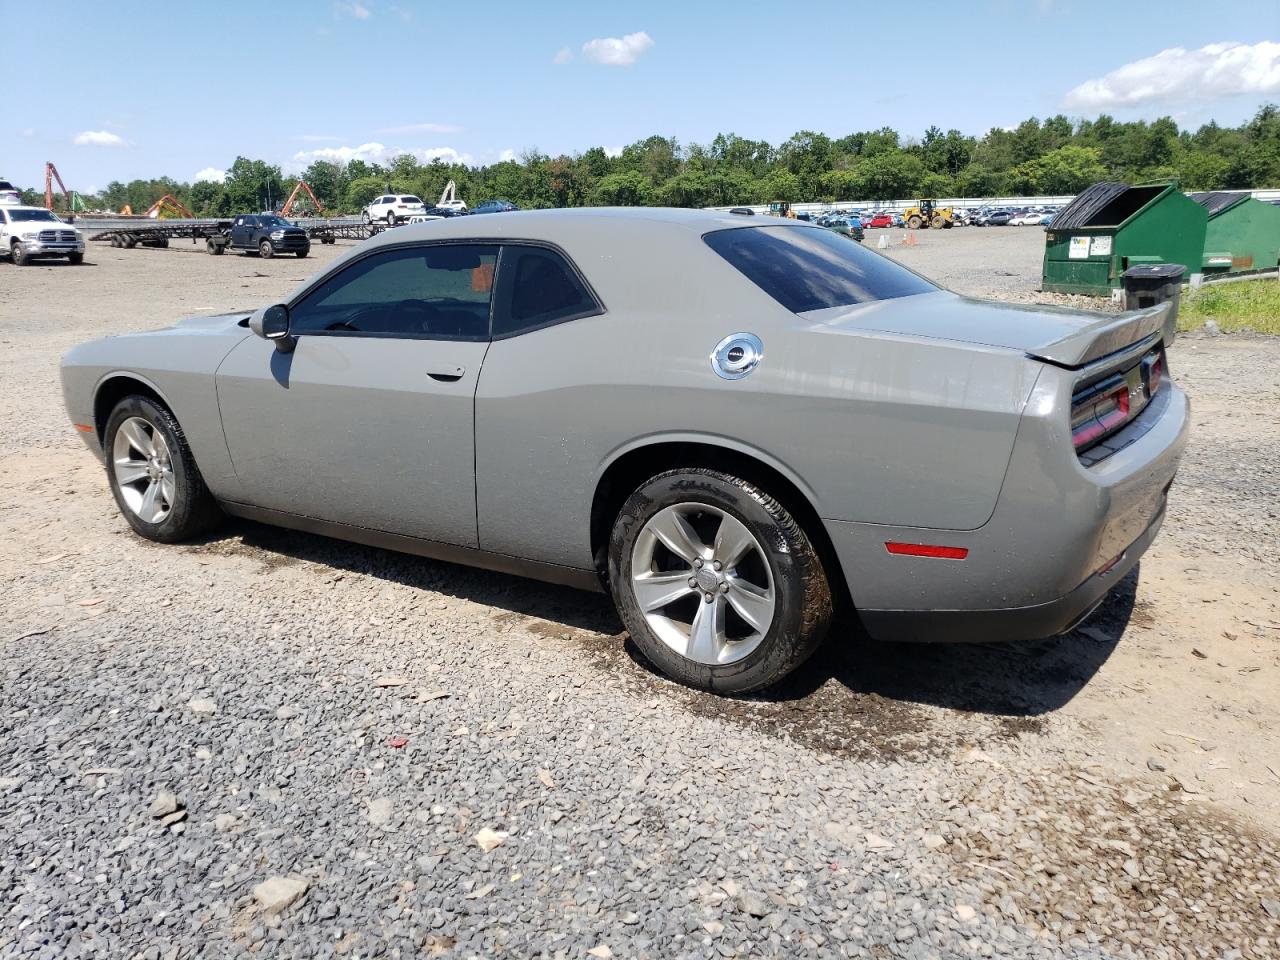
<point x="737" y="355"/>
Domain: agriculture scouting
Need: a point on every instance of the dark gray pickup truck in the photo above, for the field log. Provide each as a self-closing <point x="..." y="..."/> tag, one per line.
<point x="264" y="233"/>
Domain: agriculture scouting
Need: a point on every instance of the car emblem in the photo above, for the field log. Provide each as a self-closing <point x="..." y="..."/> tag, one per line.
<point x="737" y="355"/>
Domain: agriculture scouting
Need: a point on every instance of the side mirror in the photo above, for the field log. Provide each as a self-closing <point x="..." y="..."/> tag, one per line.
<point x="272" y="323"/>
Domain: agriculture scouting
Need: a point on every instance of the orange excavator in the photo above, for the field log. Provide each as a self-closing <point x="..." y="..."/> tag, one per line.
<point x="169" y="206"/>
<point x="51" y="174"/>
<point x="288" y="204"/>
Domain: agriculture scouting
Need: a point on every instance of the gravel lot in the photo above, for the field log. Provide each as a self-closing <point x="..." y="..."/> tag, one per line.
<point x="273" y="744"/>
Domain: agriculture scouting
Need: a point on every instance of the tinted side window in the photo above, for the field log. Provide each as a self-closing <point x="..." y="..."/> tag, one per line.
<point x="809" y="268"/>
<point x="439" y="292"/>
<point x="539" y="288"/>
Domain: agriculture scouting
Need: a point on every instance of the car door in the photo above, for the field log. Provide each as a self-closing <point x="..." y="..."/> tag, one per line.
<point x="241" y="232"/>
<point x="369" y="420"/>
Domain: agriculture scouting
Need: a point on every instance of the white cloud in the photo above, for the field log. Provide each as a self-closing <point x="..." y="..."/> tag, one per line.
<point x="422" y="128"/>
<point x="612" y="151"/>
<point x="563" y="55"/>
<point x="617" y="52"/>
<point x="210" y="174"/>
<point x="403" y="13"/>
<point x="355" y="9"/>
<point x="98" y="138"/>
<point x="1210" y="73"/>
<point x="379" y="153"/>
<point x="316" y="138"/>
<point x="505" y="155"/>
<point x="29" y="132"/>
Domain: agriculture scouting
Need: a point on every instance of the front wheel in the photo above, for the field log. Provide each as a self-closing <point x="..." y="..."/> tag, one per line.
<point x="265" y="250"/>
<point x="716" y="582"/>
<point x="914" y="223"/>
<point x="75" y="259"/>
<point x="366" y="218"/>
<point x="302" y="253"/>
<point x="19" y="254"/>
<point x="153" y="475"/>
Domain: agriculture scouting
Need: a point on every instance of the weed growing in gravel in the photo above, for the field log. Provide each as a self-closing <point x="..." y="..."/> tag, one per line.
<point x="1249" y="305"/>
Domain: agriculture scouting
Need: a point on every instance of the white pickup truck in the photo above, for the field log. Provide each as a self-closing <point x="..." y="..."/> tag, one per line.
<point x="30" y="233"/>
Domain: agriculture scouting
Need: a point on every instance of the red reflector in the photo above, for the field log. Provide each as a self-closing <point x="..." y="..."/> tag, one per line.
<point x="927" y="550"/>
<point x="83" y="427"/>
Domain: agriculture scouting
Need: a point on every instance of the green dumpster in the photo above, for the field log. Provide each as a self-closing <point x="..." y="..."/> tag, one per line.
<point x="1243" y="235"/>
<point x="1114" y="226"/>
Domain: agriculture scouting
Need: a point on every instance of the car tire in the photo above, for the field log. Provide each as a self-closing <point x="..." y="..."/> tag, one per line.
<point x="773" y="568"/>
<point x="391" y="219"/>
<point x="182" y="507"/>
<point x="19" y="254"/>
<point x="914" y="223"/>
<point x="364" y="215"/>
<point x="75" y="259"/>
<point x="265" y="250"/>
<point x="302" y="253"/>
<point x="215" y="249"/>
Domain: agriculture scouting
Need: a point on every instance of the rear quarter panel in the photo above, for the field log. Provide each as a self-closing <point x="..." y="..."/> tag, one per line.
<point x="872" y="427"/>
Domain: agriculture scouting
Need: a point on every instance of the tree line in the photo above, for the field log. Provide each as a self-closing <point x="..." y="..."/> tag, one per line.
<point x="1049" y="157"/>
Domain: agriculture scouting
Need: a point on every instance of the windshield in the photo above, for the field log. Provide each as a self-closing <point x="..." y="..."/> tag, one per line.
<point x="808" y="268"/>
<point x="32" y="216"/>
<point x="275" y="222"/>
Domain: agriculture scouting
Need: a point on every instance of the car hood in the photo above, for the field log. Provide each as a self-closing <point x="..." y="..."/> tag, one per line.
<point x="1058" y="335"/>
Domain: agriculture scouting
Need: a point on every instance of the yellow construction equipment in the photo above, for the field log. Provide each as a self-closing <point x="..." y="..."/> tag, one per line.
<point x="927" y="213"/>
<point x="781" y="208"/>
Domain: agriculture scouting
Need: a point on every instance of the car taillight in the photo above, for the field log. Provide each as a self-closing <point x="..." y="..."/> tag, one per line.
<point x="1099" y="413"/>
<point x="1155" y="373"/>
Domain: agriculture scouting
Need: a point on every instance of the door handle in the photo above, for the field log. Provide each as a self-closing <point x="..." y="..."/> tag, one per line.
<point x="447" y="375"/>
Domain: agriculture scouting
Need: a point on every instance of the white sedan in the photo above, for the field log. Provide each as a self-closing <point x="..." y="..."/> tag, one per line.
<point x="1028" y="219"/>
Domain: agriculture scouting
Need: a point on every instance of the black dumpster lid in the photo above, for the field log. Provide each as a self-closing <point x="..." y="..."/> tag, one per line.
<point x="1107" y="204"/>
<point x="1216" y="201"/>
<point x="1156" y="271"/>
<point x="1080" y="210"/>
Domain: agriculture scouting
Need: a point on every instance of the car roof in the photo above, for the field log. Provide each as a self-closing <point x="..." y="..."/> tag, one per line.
<point x="563" y="226"/>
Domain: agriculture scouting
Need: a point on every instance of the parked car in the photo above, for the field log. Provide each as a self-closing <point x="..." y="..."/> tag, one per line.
<point x="719" y="482"/>
<point x="9" y="194"/>
<point x="424" y="218"/>
<point x="1026" y="219"/>
<point x="994" y="218"/>
<point x="849" y="226"/>
<point x="457" y="206"/>
<point x="881" y="220"/>
<point x="263" y="233"/>
<point x="34" y="233"/>
<point x="446" y="211"/>
<point x="393" y="208"/>
<point x="495" y="206"/>
<point x="1046" y="219"/>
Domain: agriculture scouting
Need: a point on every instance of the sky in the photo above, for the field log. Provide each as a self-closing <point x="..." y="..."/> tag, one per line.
<point x="290" y="81"/>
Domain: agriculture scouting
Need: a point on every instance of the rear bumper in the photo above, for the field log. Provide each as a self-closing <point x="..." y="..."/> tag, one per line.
<point x="1035" y="622"/>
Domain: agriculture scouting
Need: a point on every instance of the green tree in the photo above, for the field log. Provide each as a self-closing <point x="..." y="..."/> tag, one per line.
<point x="627" y="189"/>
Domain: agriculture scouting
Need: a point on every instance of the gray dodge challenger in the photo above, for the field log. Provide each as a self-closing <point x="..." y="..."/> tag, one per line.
<point x="737" y="425"/>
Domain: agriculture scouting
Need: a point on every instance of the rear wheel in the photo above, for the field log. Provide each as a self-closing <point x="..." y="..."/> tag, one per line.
<point x="391" y="219"/>
<point x="265" y="250"/>
<point x="716" y="582"/>
<point x="153" y="475"/>
<point x="216" y="249"/>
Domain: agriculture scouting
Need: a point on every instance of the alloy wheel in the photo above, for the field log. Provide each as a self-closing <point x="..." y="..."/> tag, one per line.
<point x="143" y="470"/>
<point x="702" y="582"/>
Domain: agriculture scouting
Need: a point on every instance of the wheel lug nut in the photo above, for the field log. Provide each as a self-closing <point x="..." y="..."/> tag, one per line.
<point x="698" y="563"/>
<point x="693" y="581"/>
<point x="718" y="565"/>
<point x="710" y="597"/>
<point x="724" y="587"/>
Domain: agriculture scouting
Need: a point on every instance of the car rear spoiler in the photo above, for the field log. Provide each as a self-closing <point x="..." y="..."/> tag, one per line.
<point x="1109" y="335"/>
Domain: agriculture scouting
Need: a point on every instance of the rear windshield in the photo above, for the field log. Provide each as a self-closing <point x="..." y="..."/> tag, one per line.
<point x="410" y="200"/>
<point x="806" y="268"/>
